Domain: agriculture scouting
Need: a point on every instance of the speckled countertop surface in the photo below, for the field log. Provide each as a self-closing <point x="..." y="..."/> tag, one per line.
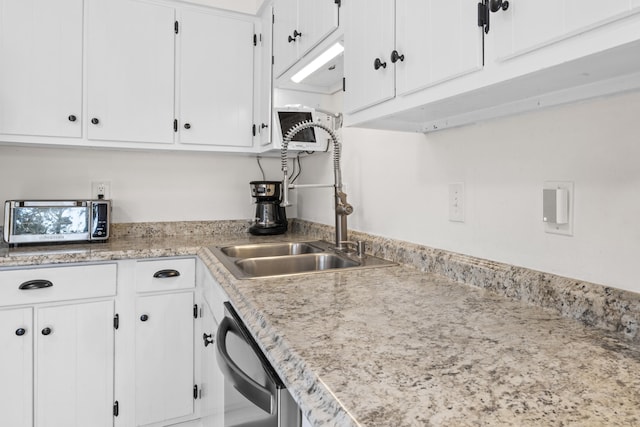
<point x="394" y="346"/>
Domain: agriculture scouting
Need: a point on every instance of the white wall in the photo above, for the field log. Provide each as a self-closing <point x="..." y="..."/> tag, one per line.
<point x="398" y="183"/>
<point x="145" y="186"/>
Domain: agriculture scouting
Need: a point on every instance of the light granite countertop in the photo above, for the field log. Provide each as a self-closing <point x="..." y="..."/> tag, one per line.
<point x="394" y="346"/>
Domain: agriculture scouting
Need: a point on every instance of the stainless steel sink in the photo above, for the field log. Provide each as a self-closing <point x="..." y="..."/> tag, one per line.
<point x="276" y="266"/>
<point x="249" y="261"/>
<point x="269" y="249"/>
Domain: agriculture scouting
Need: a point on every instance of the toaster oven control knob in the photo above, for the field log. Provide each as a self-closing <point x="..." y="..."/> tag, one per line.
<point x="95" y="121"/>
<point x="187" y="126"/>
<point x="72" y="118"/>
<point x="21" y="331"/>
<point x="46" y="331"/>
<point x="144" y="317"/>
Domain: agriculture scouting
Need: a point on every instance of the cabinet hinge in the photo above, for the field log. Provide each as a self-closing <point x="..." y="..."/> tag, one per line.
<point x="255" y="40"/>
<point x="116" y="408"/>
<point x="176" y="27"/>
<point x="253" y="129"/>
<point x="195" y="391"/>
<point x="175" y="125"/>
<point x="344" y="84"/>
<point x="195" y="311"/>
<point x="483" y="16"/>
<point x="338" y="2"/>
<point x="116" y="321"/>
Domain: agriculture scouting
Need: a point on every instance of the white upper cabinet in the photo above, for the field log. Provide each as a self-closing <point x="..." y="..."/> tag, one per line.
<point x="435" y="41"/>
<point x="41" y="67"/>
<point x="451" y="68"/>
<point x="298" y="26"/>
<point x="216" y="79"/>
<point x="527" y="25"/>
<point x="369" y="40"/>
<point x="396" y="48"/>
<point x="130" y="59"/>
<point x="265" y="76"/>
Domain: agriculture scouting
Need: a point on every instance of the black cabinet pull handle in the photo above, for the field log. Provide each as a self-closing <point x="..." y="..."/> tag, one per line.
<point x="72" y="118"/>
<point x="395" y="57"/>
<point x="165" y="274"/>
<point x="378" y="63"/>
<point x="144" y="317"/>
<point x="46" y="331"/>
<point x="95" y="121"/>
<point x="207" y="339"/>
<point x="35" y="284"/>
<point x="187" y="126"/>
<point x="496" y="5"/>
<point x="21" y="331"/>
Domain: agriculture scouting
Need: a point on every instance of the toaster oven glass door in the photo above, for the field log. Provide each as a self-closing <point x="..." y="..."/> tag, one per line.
<point x="38" y="223"/>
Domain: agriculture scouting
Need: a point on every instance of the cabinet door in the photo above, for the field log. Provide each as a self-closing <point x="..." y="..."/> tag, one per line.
<point x="369" y="35"/>
<point x="164" y="357"/>
<point x="266" y="76"/>
<point x="16" y="367"/>
<point x="212" y="379"/>
<point x="531" y="24"/>
<point x="130" y="71"/>
<point x="74" y="365"/>
<point x="439" y="41"/>
<point x="41" y="71"/>
<point x="285" y="22"/>
<point x="216" y="80"/>
<point x="316" y="20"/>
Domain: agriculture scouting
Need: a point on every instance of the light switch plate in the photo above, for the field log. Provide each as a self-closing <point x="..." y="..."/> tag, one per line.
<point x="551" y="226"/>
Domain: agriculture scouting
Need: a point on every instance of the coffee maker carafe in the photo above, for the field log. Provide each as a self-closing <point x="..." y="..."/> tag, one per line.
<point x="270" y="218"/>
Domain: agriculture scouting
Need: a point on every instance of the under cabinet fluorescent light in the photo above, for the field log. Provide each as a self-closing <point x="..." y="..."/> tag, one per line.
<point x="325" y="57"/>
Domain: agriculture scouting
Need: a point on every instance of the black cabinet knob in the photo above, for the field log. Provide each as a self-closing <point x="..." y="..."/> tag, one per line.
<point x="395" y="57"/>
<point x="95" y="121"/>
<point x="21" y="331"/>
<point x="378" y="63"/>
<point x="496" y="5"/>
<point x="72" y="118"/>
<point x="295" y="36"/>
<point x="46" y="331"/>
<point x="262" y="126"/>
<point x="144" y="317"/>
<point x="207" y="339"/>
<point x="187" y="126"/>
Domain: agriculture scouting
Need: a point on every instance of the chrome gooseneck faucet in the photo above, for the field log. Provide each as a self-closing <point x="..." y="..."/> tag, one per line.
<point x="342" y="208"/>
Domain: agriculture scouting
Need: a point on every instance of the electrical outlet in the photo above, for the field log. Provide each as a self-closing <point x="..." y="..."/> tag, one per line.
<point x="101" y="189"/>
<point x="456" y="202"/>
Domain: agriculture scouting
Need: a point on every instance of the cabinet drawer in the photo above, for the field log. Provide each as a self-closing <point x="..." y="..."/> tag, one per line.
<point x="47" y="284"/>
<point x="165" y="275"/>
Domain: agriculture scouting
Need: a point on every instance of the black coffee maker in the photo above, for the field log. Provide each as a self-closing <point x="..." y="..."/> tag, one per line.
<point x="271" y="218"/>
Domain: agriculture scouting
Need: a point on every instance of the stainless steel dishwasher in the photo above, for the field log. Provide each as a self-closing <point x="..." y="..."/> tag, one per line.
<point x="254" y="395"/>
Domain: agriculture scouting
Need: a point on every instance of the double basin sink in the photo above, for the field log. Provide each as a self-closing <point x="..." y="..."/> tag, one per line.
<point x="247" y="261"/>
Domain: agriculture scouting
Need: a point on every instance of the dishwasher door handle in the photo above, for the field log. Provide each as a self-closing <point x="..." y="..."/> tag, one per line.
<point x="256" y="393"/>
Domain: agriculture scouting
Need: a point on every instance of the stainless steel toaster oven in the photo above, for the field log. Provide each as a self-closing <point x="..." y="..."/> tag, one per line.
<point x="42" y="221"/>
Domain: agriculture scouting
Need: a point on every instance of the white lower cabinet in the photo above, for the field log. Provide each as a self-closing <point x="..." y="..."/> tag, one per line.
<point x="76" y="353"/>
<point x="57" y="359"/>
<point x="164" y="357"/>
<point x="16" y="367"/>
<point x="74" y="365"/>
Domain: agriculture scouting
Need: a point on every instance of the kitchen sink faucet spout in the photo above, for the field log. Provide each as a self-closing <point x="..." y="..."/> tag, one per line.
<point x="342" y="207"/>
